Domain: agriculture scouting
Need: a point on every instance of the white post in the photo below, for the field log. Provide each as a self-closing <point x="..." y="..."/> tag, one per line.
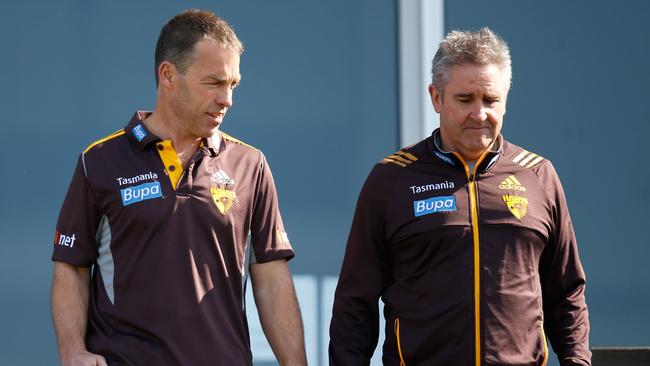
<point x="421" y="28"/>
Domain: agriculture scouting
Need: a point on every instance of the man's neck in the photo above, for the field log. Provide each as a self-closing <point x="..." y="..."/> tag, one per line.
<point x="163" y="127"/>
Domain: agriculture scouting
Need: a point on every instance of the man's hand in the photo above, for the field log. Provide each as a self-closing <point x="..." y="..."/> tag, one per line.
<point x="85" y="358"/>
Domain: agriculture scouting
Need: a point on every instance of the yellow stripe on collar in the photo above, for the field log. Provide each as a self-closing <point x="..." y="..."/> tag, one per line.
<point x="169" y="157"/>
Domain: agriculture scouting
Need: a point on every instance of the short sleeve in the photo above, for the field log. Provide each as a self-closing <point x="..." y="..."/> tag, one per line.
<point x="268" y="236"/>
<point x="75" y="240"/>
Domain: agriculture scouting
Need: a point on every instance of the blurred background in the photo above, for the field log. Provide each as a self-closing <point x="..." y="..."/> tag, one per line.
<point x="324" y="96"/>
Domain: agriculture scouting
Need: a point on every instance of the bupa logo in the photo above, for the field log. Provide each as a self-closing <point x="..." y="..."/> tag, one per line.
<point x="64" y="240"/>
<point x="140" y="193"/>
<point x="433" y="205"/>
<point x="139" y="132"/>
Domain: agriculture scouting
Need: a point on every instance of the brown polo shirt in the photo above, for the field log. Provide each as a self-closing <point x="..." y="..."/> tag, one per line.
<point x="169" y="245"/>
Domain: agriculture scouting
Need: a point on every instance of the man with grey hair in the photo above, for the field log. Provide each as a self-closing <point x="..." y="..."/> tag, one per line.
<point x="465" y="237"/>
<point x="166" y="218"/>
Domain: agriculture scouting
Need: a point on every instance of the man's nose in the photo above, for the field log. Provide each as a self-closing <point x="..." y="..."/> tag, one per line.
<point x="224" y="98"/>
<point x="479" y="112"/>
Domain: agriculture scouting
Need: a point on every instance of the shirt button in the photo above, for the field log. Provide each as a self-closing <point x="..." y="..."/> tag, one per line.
<point x="161" y="147"/>
<point x="172" y="168"/>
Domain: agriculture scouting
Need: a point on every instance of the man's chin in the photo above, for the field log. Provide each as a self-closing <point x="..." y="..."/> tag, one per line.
<point x="482" y="144"/>
<point x="211" y="132"/>
<point x="474" y="151"/>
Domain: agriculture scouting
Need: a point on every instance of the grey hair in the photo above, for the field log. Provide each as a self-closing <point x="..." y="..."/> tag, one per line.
<point x="477" y="48"/>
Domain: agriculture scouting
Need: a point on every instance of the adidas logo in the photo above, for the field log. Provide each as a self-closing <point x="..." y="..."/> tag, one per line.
<point x="400" y="158"/>
<point x="221" y="177"/>
<point x="512" y="183"/>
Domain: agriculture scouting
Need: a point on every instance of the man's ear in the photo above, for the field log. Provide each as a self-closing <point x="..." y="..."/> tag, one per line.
<point x="167" y="75"/>
<point x="436" y="97"/>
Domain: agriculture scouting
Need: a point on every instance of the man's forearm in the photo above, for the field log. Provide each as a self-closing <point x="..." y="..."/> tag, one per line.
<point x="69" y="307"/>
<point x="279" y="312"/>
<point x="284" y="329"/>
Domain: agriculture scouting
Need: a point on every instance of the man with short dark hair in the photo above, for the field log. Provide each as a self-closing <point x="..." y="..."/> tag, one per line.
<point x="466" y="238"/>
<point x="163" y="221"/>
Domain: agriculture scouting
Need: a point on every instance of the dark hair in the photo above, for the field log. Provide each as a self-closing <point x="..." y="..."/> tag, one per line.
<point x="178" y="37"/>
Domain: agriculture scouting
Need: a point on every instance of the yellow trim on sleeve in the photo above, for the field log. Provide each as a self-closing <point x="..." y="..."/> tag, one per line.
<point x="399" y="158"/>
<point x="520" y="156"/>
<point x="528" y="158"/>
<point x="408" y="155"/>
<point x="399" y="344"/>
<point x="169" y="157"/>
<point x="389" y="160"/>
<point x="534" y="162"/>
<point x="104" y="139"/>
<point x="545" y="346"/>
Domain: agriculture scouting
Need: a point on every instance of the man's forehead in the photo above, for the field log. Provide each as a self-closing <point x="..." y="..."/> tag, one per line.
<point x="208" y="39"/>
<point x="489" y="77"/>
<point x="486" y="70"/>
<point x="219" y="43"/>
<point x="216" y="57"/>
<point x="210" y="45"/>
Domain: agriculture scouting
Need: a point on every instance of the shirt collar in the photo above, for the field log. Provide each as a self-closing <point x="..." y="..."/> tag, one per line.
<point x="449" y="158"/>
<point x="213" y="144"/>
<point x="138" y="132"/>
<point x="140" y="135"/>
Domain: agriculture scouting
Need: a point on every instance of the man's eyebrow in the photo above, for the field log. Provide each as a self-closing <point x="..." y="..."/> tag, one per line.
<point x="221" y="78"/>
<point x="464" y="95"/>
<point x="214" y="77"/>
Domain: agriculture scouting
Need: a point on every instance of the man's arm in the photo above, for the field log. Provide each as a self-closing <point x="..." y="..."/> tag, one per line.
<point x="354" y="327"/>
<point x="566" y="318"/>
<point x="279" y="312"/>
<point x="70" y="289"/>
